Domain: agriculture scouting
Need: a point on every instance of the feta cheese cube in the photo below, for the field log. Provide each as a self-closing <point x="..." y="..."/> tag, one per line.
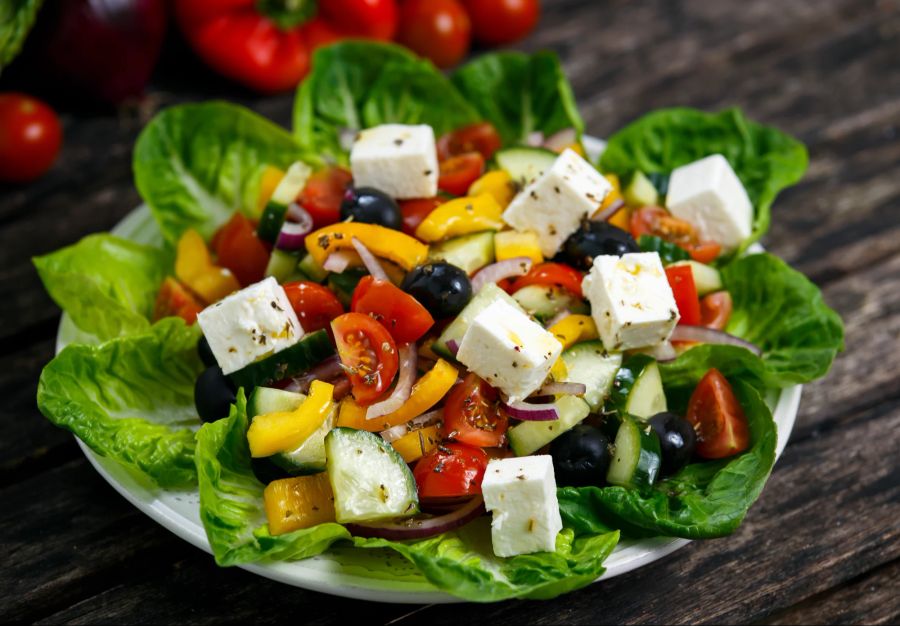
<point x="397" y="159"/>
<point x="553" y="205"/>
<point x="708" y="194"/>
<point x="521" y="494"/>
<point x="509" y="350"/>
<point x="631" y="301"/>
<point x="250" y="324"/>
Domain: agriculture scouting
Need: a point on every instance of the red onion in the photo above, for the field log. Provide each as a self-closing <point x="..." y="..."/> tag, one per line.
<point x="425" y="419"/>
<point x="337" y="262"/>
<point x="327" y="370"/>
<point x="495" y="272"/>
<point x="572" y="389"/>
<point x="418" y="528"/>
<point x="534" y="139"/>
<point x="341" y="389"/>
<point x="531" y="412"/>
<point x="408" y="359"/>
<point x="609" y="211"/>
<point x="369" y="261"/>
<point x="453" y="346"/>
<point x="293" y="233"/>
<point x="703" y="334"/>
<point x="560" y="140"/>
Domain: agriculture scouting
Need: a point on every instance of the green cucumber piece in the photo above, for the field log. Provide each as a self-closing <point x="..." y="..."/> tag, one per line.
<point x="312" y="270"/>
<point x="543" y="302"/>
<point x="282" y="265"/>
<point x="640" y="191"/>
<point x="469" y="252"/>
<point x="528" y="437"/>
<point x="343" y="284"/>
<point x="590" y="364"/>
<point x="660" y="181"/>
<point x="669" y="253"/>
<point x="264" y="400"/>
<point x="636" y="457"/>
<point x="458" y="327"/>
<point x="369" y="478"/>
<point x="311" y="349"/>
<point x="637" y="389"/>
<point x="706" y="278"/>
<point x="286" y="192"/>
<point x="525" y="164"/>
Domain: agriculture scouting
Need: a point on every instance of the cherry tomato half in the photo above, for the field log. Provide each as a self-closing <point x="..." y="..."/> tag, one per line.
<point x="497" y="22"/>
<point x="473" y="415"/>
<point x="30" y="137"/>
<point x="241" y="251"/>
<point x="415" y="211"/>
<point x="481" y="137"/>
<point x="459" y="172"/>
<point x="396" y="310"/>
<point x="314" y="304"/>
<point x="551" y="274"/>
<point x="323" y="194"/>
<point x="450" y="470"/>
<point x="656" y="221"/>
<point x="715" y="310"/>
<point x="681" y="280"/>
<point x="717" y="418"/>
<point x="175" y="299"/>
<point x="704" y="251"/>
<point x="436" y="29"/>
<point x="368" y="353"/>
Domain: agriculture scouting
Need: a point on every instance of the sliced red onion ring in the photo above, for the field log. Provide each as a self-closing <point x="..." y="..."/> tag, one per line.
<point x="421" y="528"/>
<point x="535" y="139"/>
<point x="531" y="412"/>
<point x="409" y="357"/>
<point x="556" y="319"/>
<point x="703" y="334"/>
<point x="609" y="211"/>
<point x="495" y="272"/>
<point x="453" y="346"/>
<point x="561" y="139"/>
<point x="293" y="233"/>
<point x="572" y="389"/>
<point x="425" y="419"/>
<point x="326" y="370"/>
<point x="662" y="352"/>
<point x="369" y="260"/>
<point x="337" y="262"/>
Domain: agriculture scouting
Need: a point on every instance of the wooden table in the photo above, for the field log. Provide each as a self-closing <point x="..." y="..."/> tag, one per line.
<point x="823" y="542"/>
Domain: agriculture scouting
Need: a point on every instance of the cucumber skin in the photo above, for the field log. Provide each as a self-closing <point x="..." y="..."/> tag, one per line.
<point x="625" y="378"/>
<point x="528" y="437"/>
<point x="271" y="221"/>
<point x="311" y="349"/>
<point x="643" y="470"/>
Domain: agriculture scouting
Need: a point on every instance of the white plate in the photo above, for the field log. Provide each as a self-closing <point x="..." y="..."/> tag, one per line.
<point x="343" y="571"/>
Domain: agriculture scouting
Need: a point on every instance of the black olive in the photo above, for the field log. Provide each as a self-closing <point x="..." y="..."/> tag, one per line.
<point x="205" y="353"/>
<point x="214" y="394"/>
<point x="266" y="470"/>
<point x="580" y="457"/>
<point x="593" y="239"/>
<point x="440" y="287"/>
<point x="371" y="206"/>
<point x="676" y="441"/>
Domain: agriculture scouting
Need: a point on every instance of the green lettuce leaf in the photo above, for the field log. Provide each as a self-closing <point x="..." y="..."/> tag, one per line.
<point x="106" y="284"/>
<point x="16" y="19"/>
<point x="766" y="160"/>
<point x="131" y="399"/>
<point x="520" y="94"/>
<point x="196" y="164"/>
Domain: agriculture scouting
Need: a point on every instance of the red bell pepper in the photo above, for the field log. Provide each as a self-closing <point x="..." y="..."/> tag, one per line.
<point x="681" y="280"/>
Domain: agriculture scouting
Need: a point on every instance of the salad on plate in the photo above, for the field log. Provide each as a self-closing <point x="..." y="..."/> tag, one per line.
<point x="430" y="322"/>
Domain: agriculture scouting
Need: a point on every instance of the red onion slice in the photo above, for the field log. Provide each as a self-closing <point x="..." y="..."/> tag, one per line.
<point x="369" y="260"/>
<point x="703" y="334"/>
<point x="495" y="272"/>
<point x="409" y="357"/>
<point x="326" y="370"/>
<point x="532" y="412"/>
<point x="418" y="528"/>
<point x="609" y="211"/>
<point x="572" y="389"/>
<point x="425" y="419"/>
<point x="337" y="262"/>
<point x="534" y="139"/>
<point x="453" y="346"/>
<point x="561" y="139"/>
<point x="293" y="233"/>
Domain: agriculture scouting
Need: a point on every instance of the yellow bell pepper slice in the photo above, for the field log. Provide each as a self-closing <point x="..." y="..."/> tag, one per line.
<point x="271" y="433"/>
<point x="352" y="415"/>
<point x="269" y="180"/>
<point x="195" y="268"/>
<point x="577" y="148"/>
<point x="461" y="216"/>
<point x="416" y="444"/>
<point x="510" y="244"/>
<point x="497" y="183"/>
<point x="299" y="502"/>
<point x="391" y="244"/>
<point x="559" y="372"/>
<point x="620" y="217"/>
<point x="573" y="329"/>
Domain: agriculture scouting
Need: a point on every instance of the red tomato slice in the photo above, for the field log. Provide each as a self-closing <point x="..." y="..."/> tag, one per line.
<point x="415" y="211"/>
<point x="241" y="251"/>
<point x="551" y="274"/>
<point x="705" y="252"/>
<point x="473" y="415"/>
<point x="368" y="353"/>
<point x="450" y="470"/>
<point x="718" y="418"/>
<point x="482" y="138"/>
<point x="175" y="299"/>
<point x="323" y="193"/>
<point x="403" y="316"/>
<point x="681" y="280"/>
<point x="654" y="220"/>
<point x="314" y="304"/>
<point x="715" y="310"/>
<point x="459" y="172"/>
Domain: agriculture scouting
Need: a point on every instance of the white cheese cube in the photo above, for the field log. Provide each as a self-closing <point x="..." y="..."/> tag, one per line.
<point x="250" y="324"/>
<point x="553" y="205"/>
<point x="509" y="350"/>
<point x="397" y="159"/>
<point x="631" y="301"/>
<point x="521" y="494"/>
<point x="708" y="194"/>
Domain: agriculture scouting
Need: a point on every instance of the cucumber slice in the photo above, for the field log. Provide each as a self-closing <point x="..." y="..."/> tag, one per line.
<point x="640" y="191"/>
<point x="282" y="265"/>
<point x="544" y="302"/>
<point x="706" y="278"/>
<point x="312" y="270"/>
<point x="286" y="192"/>
<point x="525" y="164"/>
<point x="270" y="400"/>
<point x="636" y="459"/>
<point x="343" y="284"/>
<point x="528" y="437"/>
<point x="469" y="252"/>
<point x="298" y="358"/>
<point x="458" y="327"/>
<point x="369" y="479"/>
<point x="637" y="389"/>
<point x="590" y="364"/>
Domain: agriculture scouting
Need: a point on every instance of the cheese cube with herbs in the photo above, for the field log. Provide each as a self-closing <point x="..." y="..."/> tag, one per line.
<point x="554" y="205"/>
<point x="631" y="301"/>
<point x="509" y="350"/>
<point x="397" y="159"/>
<point x="249" y="325"/>
<point x="521" y="494"/>
<point x="708" y="194"/>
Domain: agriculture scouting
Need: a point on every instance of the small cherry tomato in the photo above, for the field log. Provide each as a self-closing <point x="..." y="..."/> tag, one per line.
<point x="323" y="193"/>
<point x="314" y="304"/>
<point x="372" y="19"/>
<point x="715" y="310"/>
<point x="30" y="137"/>
<point x="473" y="414"/>
<point x="497" y="22"/>
<point x="241" y="251"/>
<point x="318" y="33"/>
<point x="681" y="280"/>
<point x="401" y="314"/>
<point x="436" y="29"/>
<point x="717" y="418"/>
<point x="450" y="470"/>
<point x="415" y="211"/>
<point x="552" y="275"/>
<point x="369" y="355"/>
<point x="459" y="172"/>
<point x="481" y="137"/>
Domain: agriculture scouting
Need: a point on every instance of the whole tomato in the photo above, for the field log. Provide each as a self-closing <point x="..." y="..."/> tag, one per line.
<point x="436" y="29"/>
<point x="497" y="22"/>
<point x="30" y="137"/>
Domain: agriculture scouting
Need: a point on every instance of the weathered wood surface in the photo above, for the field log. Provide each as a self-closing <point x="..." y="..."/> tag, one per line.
<point x="822" y="543"/>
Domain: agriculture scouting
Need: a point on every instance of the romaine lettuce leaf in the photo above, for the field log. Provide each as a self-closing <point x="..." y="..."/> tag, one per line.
<point x="131" y="399"/>
<point x="766" y="160"/>
<point x="106" y="284"/>
<point x="16" y="20"/>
